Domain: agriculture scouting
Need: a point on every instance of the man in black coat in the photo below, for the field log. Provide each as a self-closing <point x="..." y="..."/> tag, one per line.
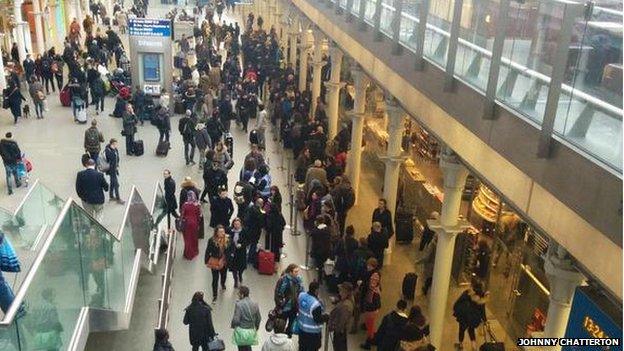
<point x="11" y="154"/>
<point x="387" y="336"/>
<point x="29" y="67"/>
<point x="198" y="316"/>
<point x="254" y="222"/>
<point x="382" y="215"/>
<point x="90" y="186"/>
<point x="215" y="178"/>
<point x="112" y="157"/>
<point x="221" y="209"/>
<point x="186" y="127"/>
<point x="377" y="242"/>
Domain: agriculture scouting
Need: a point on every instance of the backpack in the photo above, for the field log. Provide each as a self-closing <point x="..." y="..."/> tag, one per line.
<point x="93" y="138"/>
<point x="461" y="306"/>
<point x="102" y="163"/>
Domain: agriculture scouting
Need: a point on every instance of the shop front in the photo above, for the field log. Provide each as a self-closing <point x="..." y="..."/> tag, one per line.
<point x="499" y="247"/>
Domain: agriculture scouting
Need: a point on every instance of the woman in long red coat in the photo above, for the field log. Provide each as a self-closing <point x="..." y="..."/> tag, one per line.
<point x="191" y="214"/>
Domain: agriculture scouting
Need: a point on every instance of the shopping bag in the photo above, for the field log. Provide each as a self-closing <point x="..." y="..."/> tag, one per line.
<point x="27" y="164"/>
<point x="216" y="344"/>
<point x="245" y="337"/>
<point x="21" y="170"/>
<point x="8" y="259"/>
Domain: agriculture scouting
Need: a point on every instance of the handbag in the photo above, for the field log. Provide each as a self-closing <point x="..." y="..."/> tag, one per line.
<point x="216" y="263"/>
<point x="216" y="344"/>
<point x="8" y="259"/>
<point x="245" y="337"/>
<point x="180" y="223"/>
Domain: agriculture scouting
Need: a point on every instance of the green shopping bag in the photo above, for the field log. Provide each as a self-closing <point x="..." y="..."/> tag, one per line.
<point x="245" y="337"/>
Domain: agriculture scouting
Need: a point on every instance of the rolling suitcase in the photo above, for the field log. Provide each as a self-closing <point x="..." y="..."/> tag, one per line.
<point x="491" y="345"/>
<point x="408" y="288"/>
<point x="81" y="115"/>
<point x="229" y="143"/>
<point x="404" y="224"/>
<point x="138" y="148"/>
<point x="65" y="97"/>
<point x="162" y="149"/>
<point x="266" y="262"/>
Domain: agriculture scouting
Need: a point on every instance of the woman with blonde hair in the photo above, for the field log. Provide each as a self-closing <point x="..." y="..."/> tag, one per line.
<point x="215" y="259"/>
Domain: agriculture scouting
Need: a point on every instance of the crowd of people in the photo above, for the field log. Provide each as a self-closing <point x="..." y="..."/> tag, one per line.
<point x="254" y="88"/>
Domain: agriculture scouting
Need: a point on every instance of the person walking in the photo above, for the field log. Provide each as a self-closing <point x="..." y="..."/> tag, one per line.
<point x="98" y="91"/>
<point x="237" y="251"/>
<point x="170" y="198"/>
<point x="321" y="247"/>
<point x="254" y="222"/>
<point x="203" y="142"/>
<point x="392" y="324"/>
<point x="112" y="157"/>
<point x="221" y="209"/>
<point x="13" y="95"/>
<point x="341" y="317"/>
<point x="378" y="242"/>
<point x="11" y="156"/>
<point x="279" y="340"/>
<point x="129" y="128"/>
<point x="162" y="341"/>
<point x="186" y="127"/>
<point x="187" y="185"/>
<point x="215" y="259"/>
<point x="287" y="290"/>
<point x="90" y="187"/>
<point x="35" y="90"/>
<point x="310" y="319"/>
<point x="246" y="321"/>
<point x="469" y="311"/>
<point x="191" y="214"/>
<point x="163" y="118"/>
<point x="93" y="139"/>
<point x="214" y="179"/>
<point x="198" y="316"/>
<point x="275" y="224"/>
<point x="415" y="332"/>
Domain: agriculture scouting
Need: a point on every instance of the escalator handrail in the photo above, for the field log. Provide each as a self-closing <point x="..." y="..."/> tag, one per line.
<point x="28" y="194"/>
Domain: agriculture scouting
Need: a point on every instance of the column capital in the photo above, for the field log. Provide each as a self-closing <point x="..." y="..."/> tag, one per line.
<point x="360" y="78"/>
<point x="562" y="275"/>
<point x="355" y="116"/>
<point x="453" y="171"/>
<point x="319" y="64"/>
<point x="392" y="160"/>
<point x="437" y="226"/>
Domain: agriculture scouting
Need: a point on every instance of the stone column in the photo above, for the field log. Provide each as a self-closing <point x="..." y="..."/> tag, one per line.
<point x="2" y="77"/>
<point x="333" y="90"/>
<point x="354" y="158"/>
<point x="317" y="64"/>
<point x="78" y="11"/>
<point x="446" y="228"/>
<point x="109" y="9"/>
<point x="38" y="26"/>
<point x="19" y="36"/>
<point x="393" y="160"/>
<point x="303" y="60"/>
<point x="563" y="279"/>
<point x="293" y="33"/>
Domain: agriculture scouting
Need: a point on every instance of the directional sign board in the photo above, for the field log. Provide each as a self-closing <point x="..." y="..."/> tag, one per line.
<point x="146" y="27"/>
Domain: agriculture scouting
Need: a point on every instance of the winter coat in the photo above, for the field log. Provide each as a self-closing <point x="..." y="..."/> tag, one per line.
<point x="469" y="308"/>
<point x="385" y="218"/>
<point x="129" y="123"/>
<point x="389" y="331"/>
<point x="92" y="140"/>
<point x="278" y="342"/>
<point x="202" y="139"/>
<point x="198" y="316"/>
<point x="10" y="151"/>
<point x="321" y="243"/>
<point x="213" y="179"/>
<point x="377" y="243"/>
<point x="112" y="156"/>
<point x="246" y="314"/>
<point x="254" y="222"/>
<point x="221" y="210"/>
<point x="237" y="256"/>
<point x="185" y="187"/>
<point x="170" y="197"/>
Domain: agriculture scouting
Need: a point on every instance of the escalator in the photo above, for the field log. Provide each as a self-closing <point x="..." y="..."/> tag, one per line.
<point x="76" y="276"/>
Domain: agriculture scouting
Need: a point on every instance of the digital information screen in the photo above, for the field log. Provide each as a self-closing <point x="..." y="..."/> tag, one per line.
<point x="151" y="67"/>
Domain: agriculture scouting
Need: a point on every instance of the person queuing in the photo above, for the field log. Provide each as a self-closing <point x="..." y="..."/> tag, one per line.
<point x="112" y="158"/>
<point x="191" y="219"/>
<point x="341" y="317"/>
<point x="221" y="209"/>
<point x="287" y="290"/>
<point x="310" y="319"/>
<point x="237" y="251"/>
<point x="389" y="332"/>
<point x="469" y="310"/>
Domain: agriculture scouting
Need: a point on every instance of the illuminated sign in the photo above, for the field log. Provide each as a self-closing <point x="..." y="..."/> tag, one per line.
<point x="593" y="316"/>
<point x="146" y="27"/>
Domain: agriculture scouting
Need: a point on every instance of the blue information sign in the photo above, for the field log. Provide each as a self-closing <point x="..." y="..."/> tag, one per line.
<point x="592" y="317"/>
<point x="145" y="27"/>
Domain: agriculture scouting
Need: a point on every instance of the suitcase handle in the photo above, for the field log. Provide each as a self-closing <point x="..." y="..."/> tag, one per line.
<point x="487" y="331"/>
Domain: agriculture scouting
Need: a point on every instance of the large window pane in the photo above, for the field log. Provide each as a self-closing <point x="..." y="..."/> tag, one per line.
<point x="438" y="30"/>
<point x="387" y="12"/>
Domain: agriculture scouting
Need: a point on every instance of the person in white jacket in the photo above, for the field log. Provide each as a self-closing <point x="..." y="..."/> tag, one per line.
<point x="278" y="340"/>
<point x="261" y="121"/>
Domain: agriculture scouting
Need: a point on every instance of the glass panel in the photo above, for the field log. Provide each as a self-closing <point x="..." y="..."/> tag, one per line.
<point x="476" y="35"/>
<point x="409" y="23"/>
<point x="343" y="4"/>
<point x="9" y="338"/>
<point x="589" y="113"/>
<point x="387" y="12"/>
<point x="438" y="30"/>
<point x="356" y="8"/>
<point x="532" y="32"/>
<point x="369" y="14"/>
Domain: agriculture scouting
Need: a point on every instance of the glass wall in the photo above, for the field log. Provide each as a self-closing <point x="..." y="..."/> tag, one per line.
<point x="387" y="14"/>
<point x="437" y="34"/>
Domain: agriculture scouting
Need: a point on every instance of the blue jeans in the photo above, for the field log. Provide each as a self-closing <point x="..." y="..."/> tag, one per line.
<point x="39" y="109"/>
<point x="11" y="170"/>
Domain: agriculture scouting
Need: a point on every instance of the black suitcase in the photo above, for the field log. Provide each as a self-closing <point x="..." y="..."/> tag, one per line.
<point x="404" y="224"/>
<point x="178" y="108"/>
<point x="229" y="143"/>
<point x="162" y="149"/>
<point x="408" y="288"/>
<point x="253" y="137"/>
<point x="138" y="148"/>
<point x="491" y="345"/>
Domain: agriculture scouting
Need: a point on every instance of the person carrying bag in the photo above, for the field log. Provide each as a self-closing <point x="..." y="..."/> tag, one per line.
<point x="246" y="321"/>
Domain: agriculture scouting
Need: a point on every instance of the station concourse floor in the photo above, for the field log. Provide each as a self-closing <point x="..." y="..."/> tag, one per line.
<point x="54" y="145"/>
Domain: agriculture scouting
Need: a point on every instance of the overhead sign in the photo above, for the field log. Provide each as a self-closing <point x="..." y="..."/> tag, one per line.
<point x="183" y="27"/>
<point x="146" y="27"/>
<point x="593" y="317"/>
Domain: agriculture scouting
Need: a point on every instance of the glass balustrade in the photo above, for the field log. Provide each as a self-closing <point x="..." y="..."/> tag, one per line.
<point x="79" y="265"/>
<point x="476" y="38"/>
<point x="387" y="13"/>
<point x="355" y="10"/>
<point x="589" y="113"/>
